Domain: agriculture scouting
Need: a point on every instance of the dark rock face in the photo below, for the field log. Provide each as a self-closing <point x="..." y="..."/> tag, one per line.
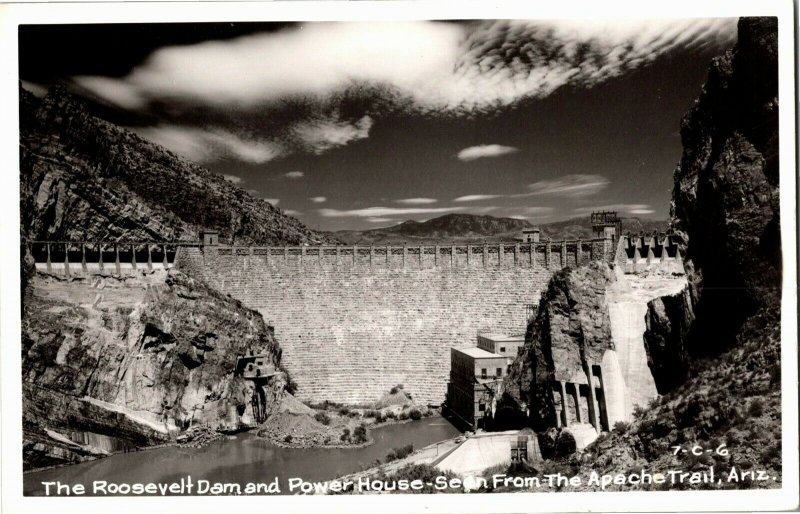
<point x="85" y="178"/>
<point x="138" y="359"/>
<point x="725" y="205"/>
<point x="726" y="213"/>
<point x="570" y="332"/>
<point x="725" y="200"/>
<point x="668" y="321"/>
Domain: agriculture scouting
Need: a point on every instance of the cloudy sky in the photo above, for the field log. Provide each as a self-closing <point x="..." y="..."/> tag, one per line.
<point x="360" y="125"/>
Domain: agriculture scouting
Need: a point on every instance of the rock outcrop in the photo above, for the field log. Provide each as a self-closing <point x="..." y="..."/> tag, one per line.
<point x="137" y="359"/>
<point x="714" y="346"/>
<point x="725" y="201"/>
<point x="668" y="320"/>
<point x="585" y="363"/>
<point x="570" y="333"/>
<point x="725" y="212"/>
<point x="84" y="178"/>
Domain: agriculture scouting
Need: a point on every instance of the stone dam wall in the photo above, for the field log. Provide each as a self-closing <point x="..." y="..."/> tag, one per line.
<point x="353" y="322"/>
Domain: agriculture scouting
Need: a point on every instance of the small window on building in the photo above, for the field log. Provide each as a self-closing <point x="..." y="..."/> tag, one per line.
<point x="483" y="372"/>
<point x="260" y="363"/>
<point x="498" y="372"/>
<point x="481" y="407"/>
<point x="502" y="349"/>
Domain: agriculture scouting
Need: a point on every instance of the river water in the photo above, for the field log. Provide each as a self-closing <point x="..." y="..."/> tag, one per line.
<point x="243" y="459"/>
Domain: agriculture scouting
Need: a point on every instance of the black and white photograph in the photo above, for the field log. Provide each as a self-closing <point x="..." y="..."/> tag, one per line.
<point x="395" y="258"/>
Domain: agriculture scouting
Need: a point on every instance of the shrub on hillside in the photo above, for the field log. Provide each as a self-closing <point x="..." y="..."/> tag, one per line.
<point x="345" y="435"/>
<point x="359" y="434"/>
<point x="771" y="456"/>
<point x="400" y="453"/>
<point x="756" y="408"/>
<point x="565" y="444"/>
<point x="620" y="427"/>
<point x="344" y="411"/>
<point x="323" y="418"/>
<point x="415" y="414"/>
<point x="426" y="474"/>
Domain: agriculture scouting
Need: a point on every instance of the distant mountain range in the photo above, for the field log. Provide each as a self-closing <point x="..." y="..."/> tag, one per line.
<point x="471" y="228"/>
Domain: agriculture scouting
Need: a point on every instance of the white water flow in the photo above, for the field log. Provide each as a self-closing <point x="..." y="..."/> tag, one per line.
<point x="625" y="370"/>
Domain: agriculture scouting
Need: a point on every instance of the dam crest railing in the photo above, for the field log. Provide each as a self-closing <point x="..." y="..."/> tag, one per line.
<point x="76" y="256"/>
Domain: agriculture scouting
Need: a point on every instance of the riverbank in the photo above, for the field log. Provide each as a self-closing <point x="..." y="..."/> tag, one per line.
<point x="333" y="425"/>
<point x="247" y="458"/>
<point x="351" y="429"/>
<point x="295" y="425"/>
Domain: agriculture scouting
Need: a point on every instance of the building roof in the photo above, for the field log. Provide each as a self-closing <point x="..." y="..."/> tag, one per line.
<point x="255" y="356"/>
<point x="479" y="353"/>
<point x="504" y="337"/>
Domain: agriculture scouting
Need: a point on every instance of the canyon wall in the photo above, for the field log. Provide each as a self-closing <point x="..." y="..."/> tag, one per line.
<point x="725" y="202"/>
<point x="708" y="342"/>
<point x="351" y="332"/>
<point x="136" y="357"/>
<point x="585" y="362"/>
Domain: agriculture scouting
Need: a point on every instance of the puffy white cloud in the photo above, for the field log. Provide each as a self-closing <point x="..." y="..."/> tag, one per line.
<point x="481" y="151"/>
<point x="273" y="201"/>
<point x="318" y="199"/>
<point x="232" y="178"/>
<point x="438" y="66"/>
<point x="294" y="174"/>
<point x="319" y="136"/>
<point x="569" y="186"/>
<point x="476" y="198"/>
<point x="416" y="201"/>
<point x="381" y="212"/>
<point x="202" y="145"/>
<point x="430" y="67"/>
<point x="292" y="212"/>
<point x="379" y="220"/>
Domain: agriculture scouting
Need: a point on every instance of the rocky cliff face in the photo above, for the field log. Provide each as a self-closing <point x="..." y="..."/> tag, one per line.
<point x="138" y="359"/>
<point x="713" y="345"/>
<point x="570" y="333"/>
<point x="725" y="199"/>
<point x="84" y="178"/>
